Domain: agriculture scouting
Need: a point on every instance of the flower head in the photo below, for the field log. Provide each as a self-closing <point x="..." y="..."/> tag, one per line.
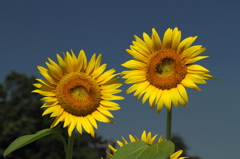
<point x="78" y="92"/>
<point x="162" y="69"/>
<point x="147" y="138"/>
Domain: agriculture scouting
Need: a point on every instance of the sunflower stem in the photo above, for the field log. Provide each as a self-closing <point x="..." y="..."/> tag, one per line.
<point x="169" y="124"/>
<point x="70" y="146"/>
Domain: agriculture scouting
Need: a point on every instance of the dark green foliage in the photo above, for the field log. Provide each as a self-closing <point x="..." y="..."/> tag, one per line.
<point x="20" y="114"/>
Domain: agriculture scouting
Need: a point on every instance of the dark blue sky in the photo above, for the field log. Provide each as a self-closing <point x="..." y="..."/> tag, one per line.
<point x="32" y="31"/>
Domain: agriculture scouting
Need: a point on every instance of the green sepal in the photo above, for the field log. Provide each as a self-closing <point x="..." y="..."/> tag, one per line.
<point x="27" y="139"/>
<point x="215" y="79"/>
<point x="141" y="150"/>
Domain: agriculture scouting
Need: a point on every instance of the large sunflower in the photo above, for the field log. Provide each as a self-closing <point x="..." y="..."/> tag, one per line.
<point x="78" y="93"/>
<point x="162" y="69"/>
<point x="147" y="138"/>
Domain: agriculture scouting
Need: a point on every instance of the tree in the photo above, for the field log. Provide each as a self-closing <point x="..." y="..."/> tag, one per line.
<point x="20" y="114"/>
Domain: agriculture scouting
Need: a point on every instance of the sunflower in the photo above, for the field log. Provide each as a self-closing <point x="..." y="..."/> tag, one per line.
<point x="78" y="92"/>
<point x="162" y="69"/>
<point x="147" y="138"/>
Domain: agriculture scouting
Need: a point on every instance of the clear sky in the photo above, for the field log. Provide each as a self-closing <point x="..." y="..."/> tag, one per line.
<point x="32" y="31"/>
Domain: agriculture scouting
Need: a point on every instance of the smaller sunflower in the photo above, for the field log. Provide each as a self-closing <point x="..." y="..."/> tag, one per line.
<point x="161" y="69"/>
<point x="147" y="138"/>
<point x="78" y="92"/>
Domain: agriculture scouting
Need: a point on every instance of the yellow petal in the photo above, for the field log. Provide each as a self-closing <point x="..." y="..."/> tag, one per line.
<point x="57" y="68"/>
<point x="91" y="65"/>
<point x="188" y="83"/>
<point x="67" y="120"/>
<point x="141" y="87"/>
<point x="190" y="51"/>
<point x="132" y="139"/>
<point x="105" y="75"/>
<point x="185" y="44"/>
<point x="129" y="74"/>
<point x="182" y="91"/>
<point x="69" y="62"/>
<point x="44" y="93"/>
<point x="160" y="105"/>
<point x="195" y="79"/>
<point x="100" y="117"/>
<point x="109" y="103"/>
<point x="148" y="41"/>
<point x="153" y="139"/>
<point x="87" y="126"/>
<point x="153" y="97"/>
<point x="166" y="99"/>
<point x="196" y="67"/>
<point x="141" y="48"/>
<point x="134" y="64"/>
<point x="135" y="79"/>
<point x="149" y="137"/>
<point x="167" y="39"/>
<point x="176" y="38"/>
<point x="72" y="125"/>
<point x="51" y="109"/>
<point x="113" y="81"/>
<point x="104" y="111"/>
<point x="176" y="154"/>
<point x="79" y="125"/>
<point x="144" y="136"/>
<point x="92" y="121"/>
<point x="46" y="74"/>
<point x="46" y="83"/>
<point x="111" y="97"/>
<point x="57" y="120"/>
<point x="99" y="71"/>
<point x="38" y="85"/>
<point x="98" y="61"/>
<point x="136" y="55"/>
<point x="160" y="139"/>
<point x="111" y="107"/>
<point x="195" y="59"/>
<point x="119" y="143"/>
<point x="62" y="64"/>
<point x="156" y="40"/>
<point x="48" y="99"/>
<point x="132" y="88"/>
<point x="82" y="61"/>
<point x="125" y="141"/>
<point x="148" y="91"/>
<point x="57" y="112"/>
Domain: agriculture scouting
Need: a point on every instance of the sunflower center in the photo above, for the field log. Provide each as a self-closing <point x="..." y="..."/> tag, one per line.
<point x="166" y="69"/>
<point x="78" y="94"/>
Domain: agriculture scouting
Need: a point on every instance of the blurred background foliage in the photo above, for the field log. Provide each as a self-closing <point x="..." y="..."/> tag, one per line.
<point x="20" y="114"/>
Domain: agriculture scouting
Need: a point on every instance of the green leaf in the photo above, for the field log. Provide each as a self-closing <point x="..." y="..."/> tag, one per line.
<point x="162" y="150"/>
<point x="141" y="150"/>
<point x="27" y="139"/>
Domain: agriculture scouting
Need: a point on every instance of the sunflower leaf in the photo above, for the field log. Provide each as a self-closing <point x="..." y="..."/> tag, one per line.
<point x="141" y="150"/>
<point x="27" y="139"/>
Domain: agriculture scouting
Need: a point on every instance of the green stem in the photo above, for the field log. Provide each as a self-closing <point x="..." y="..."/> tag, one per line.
<point x="70" y="146"/>
<point x="169" y="124"/>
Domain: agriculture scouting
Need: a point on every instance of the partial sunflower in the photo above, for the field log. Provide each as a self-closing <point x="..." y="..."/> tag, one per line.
<point x="162" y="69"/>
<point x="147" y="138"/>
<point x="78" y="93"/>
